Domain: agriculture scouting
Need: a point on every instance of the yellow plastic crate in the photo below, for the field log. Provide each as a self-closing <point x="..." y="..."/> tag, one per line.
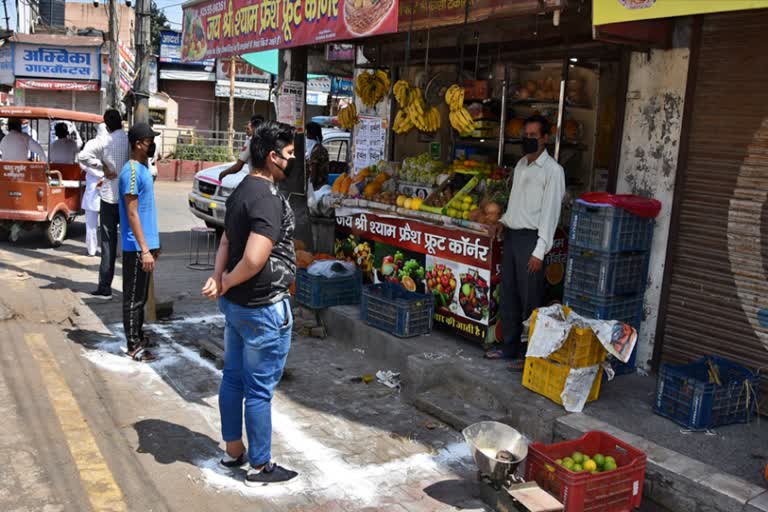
<point x="548" y="378"/>
<point x="581" y="348"/>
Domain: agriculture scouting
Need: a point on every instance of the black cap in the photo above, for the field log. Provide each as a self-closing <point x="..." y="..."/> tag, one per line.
<point x="141" y="131"/>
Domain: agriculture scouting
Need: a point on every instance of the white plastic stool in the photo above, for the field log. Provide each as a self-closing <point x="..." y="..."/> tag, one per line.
<point x="197" y="237"/>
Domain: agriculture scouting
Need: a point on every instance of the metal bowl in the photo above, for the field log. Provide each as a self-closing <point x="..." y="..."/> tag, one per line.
<point x="486" y="439"/>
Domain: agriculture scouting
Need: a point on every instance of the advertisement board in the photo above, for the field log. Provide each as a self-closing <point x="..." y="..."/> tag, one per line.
<point x="244" y="72"/>
<point x="223" y="28"/>
<point x="459" y="268"/>
<point x="170" y="49"/>
<point x="6" y="65"/>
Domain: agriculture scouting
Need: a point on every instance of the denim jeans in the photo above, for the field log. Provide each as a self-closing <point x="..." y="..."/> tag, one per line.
<point x="256" y="344"/>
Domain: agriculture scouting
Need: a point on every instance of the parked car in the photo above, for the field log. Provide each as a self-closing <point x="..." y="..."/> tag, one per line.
<point x="208" y="198"/>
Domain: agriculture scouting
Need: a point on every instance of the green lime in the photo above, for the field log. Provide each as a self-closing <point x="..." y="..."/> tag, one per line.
<point x="609" y="465"/>
<point x="599" y="460"/>
<point x="559" y="462"/>
<point x="577" y="468"/>
<point x="577" y="457"/>
<point x="611" y="460"/>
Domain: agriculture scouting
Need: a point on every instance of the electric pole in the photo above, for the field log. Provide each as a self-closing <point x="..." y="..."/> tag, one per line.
<point x="143" y="51"/>
<point x="113" y="88"/>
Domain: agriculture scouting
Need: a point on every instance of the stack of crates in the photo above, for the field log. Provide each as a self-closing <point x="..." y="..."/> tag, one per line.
<point x="548" y="377"/>
<point x="609" y="250"/>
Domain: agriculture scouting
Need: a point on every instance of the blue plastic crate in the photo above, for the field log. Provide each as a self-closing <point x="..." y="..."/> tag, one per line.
<point x="610" y="229"/>
<point x="620" y="368"/>
<point x="391" y="308"/>
<point x="686" y="395"/>
<point x="628" y="309"/>
<point x="318" y="292"/>
<point x="606" y="274"/>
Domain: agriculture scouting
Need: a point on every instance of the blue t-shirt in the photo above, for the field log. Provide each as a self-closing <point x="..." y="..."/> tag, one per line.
<point x="136" y="180"/>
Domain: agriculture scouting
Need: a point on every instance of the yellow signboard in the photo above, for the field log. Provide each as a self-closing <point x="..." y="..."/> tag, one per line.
<point x="618" y="11"/>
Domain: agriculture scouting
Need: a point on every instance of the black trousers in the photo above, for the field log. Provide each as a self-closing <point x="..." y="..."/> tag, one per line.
<point x="135" y="294"/>
<point x="109" y="221"/>
<point x="521" y="291"/>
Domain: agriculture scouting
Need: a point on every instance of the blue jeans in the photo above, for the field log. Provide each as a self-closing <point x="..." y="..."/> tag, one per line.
<point x="256" y="344"/>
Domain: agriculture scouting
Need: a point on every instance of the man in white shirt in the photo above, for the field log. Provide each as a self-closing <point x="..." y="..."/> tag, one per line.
<point x="245" y="154"/>
<point x="16" y="146"/>
<point x="63" y="150"/>
<point x="529" y="225"/>
<point x="109" y="155"/>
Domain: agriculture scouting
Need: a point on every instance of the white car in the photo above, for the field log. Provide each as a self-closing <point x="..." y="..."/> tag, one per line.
<point x="208" y="198"/>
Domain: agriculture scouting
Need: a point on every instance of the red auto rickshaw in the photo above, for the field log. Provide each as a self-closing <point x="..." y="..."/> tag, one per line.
<point x="38" y="194"/>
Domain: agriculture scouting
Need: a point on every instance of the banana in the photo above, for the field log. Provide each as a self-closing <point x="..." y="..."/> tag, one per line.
<point x="454" y="97"/>
<point x="371" y="87"/>
<point x="348" y="117"/>
<point x="402" y="93"/>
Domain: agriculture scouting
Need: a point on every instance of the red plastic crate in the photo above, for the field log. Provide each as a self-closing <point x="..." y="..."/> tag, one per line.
<point x="613" y="491"/>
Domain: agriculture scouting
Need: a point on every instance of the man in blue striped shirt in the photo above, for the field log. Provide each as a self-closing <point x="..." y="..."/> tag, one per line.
<point x="140" y="236"/>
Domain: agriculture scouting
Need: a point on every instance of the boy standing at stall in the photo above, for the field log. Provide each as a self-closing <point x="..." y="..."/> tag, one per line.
<point x="528" y="228"/>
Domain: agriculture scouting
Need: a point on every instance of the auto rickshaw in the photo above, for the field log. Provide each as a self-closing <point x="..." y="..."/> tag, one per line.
<point x="39" y="194"/>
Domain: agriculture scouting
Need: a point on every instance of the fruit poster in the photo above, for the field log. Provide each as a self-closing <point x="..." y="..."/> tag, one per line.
<point x="226" y="28"/>
<point x="458" y="267"/>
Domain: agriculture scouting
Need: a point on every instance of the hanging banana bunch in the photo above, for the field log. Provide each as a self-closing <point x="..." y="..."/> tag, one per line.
<point x="460" y="118"/>
<point x="348" y="117"/>
<point x="414" y="111"/>
<point x="371" y="87"/>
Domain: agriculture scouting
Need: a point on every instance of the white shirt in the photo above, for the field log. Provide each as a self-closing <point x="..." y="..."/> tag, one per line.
<point x="245" y="155"/>
<point x="63" y="151"/>
<point x="310" y="145"/>
<point x="113" y="149"/>
<point x="15" y="147"/>
<point x="537" y="193"/>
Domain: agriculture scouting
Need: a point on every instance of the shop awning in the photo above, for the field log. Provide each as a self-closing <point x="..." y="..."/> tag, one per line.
<point x="265" y="61"/>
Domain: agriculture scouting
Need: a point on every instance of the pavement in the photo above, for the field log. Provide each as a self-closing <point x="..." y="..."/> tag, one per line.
<point x="86" y="428"/>
<point x="153" y="429"/>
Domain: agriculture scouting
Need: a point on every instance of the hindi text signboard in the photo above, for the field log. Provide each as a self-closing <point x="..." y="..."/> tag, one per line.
<point x="620" y="11"/>
<point x="223" y="28"/>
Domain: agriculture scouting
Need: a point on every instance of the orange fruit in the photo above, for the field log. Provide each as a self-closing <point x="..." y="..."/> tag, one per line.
<point x="409" y="284"/>
<point x="554" y="273"/>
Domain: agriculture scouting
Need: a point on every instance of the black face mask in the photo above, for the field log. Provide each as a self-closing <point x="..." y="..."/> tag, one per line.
<point x="289" y="165"/>
<point x="530" y="145"/>
<point x="151" y="150"/>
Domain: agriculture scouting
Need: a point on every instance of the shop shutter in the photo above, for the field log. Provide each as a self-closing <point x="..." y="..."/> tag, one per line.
<point x="196" y="102"/>
<point x="718" y="288"/>
<point x="89" y="102"/>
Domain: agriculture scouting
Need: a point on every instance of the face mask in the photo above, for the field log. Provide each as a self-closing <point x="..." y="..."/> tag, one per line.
<point x="151" y="150"/>
<point x="289" y="165"/>
<point x="530" y="145"/>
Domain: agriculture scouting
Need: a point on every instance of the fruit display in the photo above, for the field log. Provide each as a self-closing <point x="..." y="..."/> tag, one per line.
<point x="363" y="258"/>
<point x="473" y="295"/>
<point x="442" y="284"/>
<point x="372" y="86"/>
<point x="546" y="89"/>
<point x="421" y="169"/>
<point x="348" y="117"/>
<point x="396" y="269"/>
<point x="414" y="111"/>
<point x="402" y="91"/>
<point x="409" y="203"/>
<point x="579" y="463"/>
<point x="375" y="186"/>
<point x="460" y="118"/>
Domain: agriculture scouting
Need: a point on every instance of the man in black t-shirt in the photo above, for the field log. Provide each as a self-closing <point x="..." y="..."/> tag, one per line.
<point x="255" y="266"/>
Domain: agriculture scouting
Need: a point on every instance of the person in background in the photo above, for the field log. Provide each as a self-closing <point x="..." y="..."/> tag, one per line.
<point x="109" y="155"/>
<point x="316" y="156"/>
<point x="528" y="226"/>
<point x="91" y="202"/>
<point x="140" y="237"/>
<point x="17" y="146"/>
<point x="26" y="127"/>
<point x="63" y="150"/>
<point x="245" y="154"/>
<point x="74" y="133"/>
<point x="255" y="266"/>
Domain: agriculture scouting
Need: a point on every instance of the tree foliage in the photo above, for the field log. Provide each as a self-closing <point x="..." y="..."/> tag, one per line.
<point x="158" y="22"/>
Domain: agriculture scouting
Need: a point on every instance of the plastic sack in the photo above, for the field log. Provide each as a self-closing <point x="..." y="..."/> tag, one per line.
<point x="331" y="268"/>
<point x="641" y="206"/>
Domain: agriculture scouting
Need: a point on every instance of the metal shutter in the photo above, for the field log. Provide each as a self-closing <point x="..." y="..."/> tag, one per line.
<point x="196" y="102"/>
<point x="718" y="281"/>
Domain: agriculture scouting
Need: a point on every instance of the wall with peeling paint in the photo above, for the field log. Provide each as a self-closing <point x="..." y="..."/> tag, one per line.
<point x="649" y="152"/>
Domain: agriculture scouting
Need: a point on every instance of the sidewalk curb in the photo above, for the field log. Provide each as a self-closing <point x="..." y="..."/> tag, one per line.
<point x="450" y="386"/>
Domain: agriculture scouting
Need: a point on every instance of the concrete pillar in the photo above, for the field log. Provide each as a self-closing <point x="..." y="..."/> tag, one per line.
<point x="292" y="65"/>
<point x="649" y="154"/>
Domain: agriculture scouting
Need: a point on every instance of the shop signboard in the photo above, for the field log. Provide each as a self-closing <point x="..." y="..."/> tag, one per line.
<point x="244" y="72"/>
<point x="224" y="28"/>
<point x="6" y="65"/>
<point x="70" y="63"/>
<point x="619" y="11"/>
<point x="459" y="268"/>
<point x="423" y="14"/>
<point x="170" y="49"/>
<point x="319" y="84"/>
<point x="339" y="52"/>
<point x="56" y="85"/>
<point x="243" y="90"/>
<point x="341" y="87"/>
